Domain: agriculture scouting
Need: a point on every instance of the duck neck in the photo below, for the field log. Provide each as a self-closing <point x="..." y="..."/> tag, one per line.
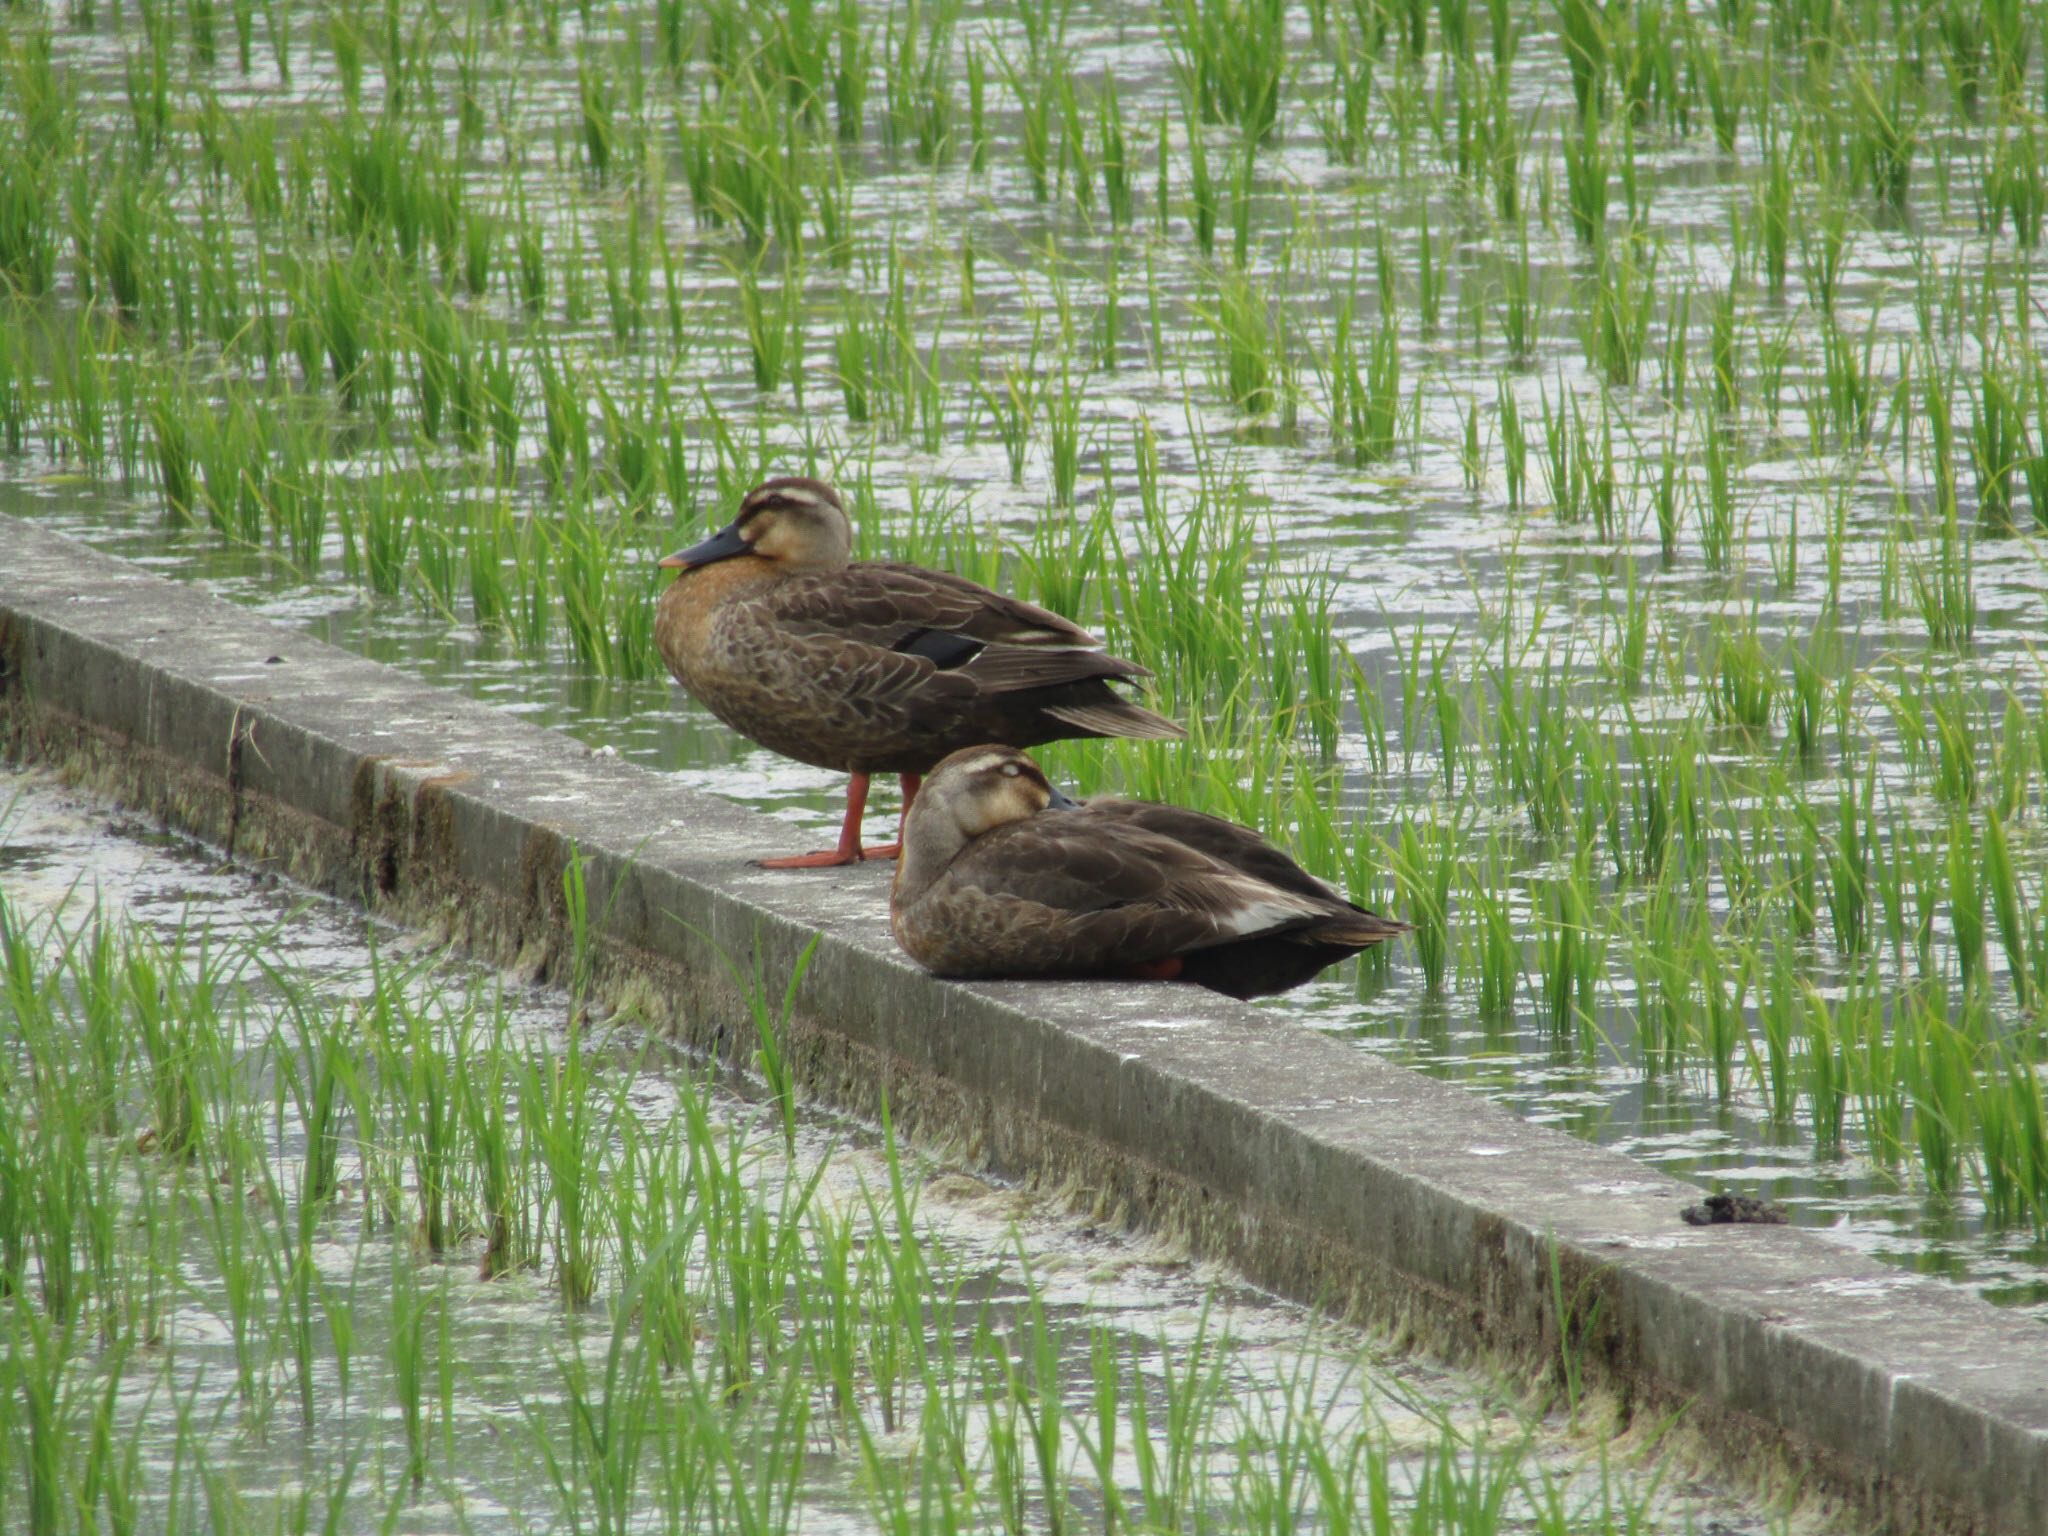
<point x="930" y="843"/>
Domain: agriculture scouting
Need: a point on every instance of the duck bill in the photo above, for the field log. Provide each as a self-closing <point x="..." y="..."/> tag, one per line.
<point x="722" y="545"/>
<point x="1055" y="801"/>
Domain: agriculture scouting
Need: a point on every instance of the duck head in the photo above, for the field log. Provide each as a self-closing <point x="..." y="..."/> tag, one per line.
<point x="969" y="795"/>
<point x="795" y="522"/>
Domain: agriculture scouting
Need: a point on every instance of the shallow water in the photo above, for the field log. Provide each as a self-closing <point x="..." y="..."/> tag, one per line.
<point x="1416" y="563"/>
<point x="509" y="1344"/>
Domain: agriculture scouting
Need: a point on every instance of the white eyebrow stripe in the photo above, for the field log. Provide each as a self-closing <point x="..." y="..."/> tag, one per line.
<point x="987" y="762"/>
<point x="801" y="496"/>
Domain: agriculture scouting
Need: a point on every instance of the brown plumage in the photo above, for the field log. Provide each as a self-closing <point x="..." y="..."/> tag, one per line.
<point x="1003" y="876"/>
<point x="873" y="666"/>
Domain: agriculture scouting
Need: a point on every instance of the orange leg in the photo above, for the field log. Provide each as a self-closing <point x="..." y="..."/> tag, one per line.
<point x="911" y="783"/>
<point x="849" y="849"/>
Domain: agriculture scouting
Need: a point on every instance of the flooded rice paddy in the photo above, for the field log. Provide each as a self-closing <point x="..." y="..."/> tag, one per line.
<point x="311" y="1228"/>
<point x="1576" y="470"/>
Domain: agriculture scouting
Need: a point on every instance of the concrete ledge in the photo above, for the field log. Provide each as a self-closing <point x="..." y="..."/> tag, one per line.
<point x="1318" y="1170"/>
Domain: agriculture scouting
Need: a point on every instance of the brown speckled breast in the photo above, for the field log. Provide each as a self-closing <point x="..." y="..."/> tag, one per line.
<point x="702" y="630"/>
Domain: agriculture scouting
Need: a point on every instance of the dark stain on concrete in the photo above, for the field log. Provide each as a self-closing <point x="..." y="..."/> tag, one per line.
<point x="377" y="822"/>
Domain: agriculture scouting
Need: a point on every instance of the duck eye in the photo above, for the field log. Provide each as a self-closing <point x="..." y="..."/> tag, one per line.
<point x="1010" y="770"/>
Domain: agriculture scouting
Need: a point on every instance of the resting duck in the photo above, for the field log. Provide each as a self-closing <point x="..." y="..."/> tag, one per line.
<point x="872" y="667"/>
<point x="1002" y="875"/>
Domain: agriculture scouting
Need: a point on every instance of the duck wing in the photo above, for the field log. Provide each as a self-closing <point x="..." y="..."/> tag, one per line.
<point x="1115" y="894"/>
<point x="891" y="631"/>
<point x="890" y="605"/>
<point x="1227" y="841"/>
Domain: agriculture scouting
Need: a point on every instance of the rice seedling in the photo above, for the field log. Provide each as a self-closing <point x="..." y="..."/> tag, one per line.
<point x="1521" y="305"/>
<point x="599" y="102"/>
<point x="1578" y="475"/>
<point x="916" y="70"/>
<point x="560" y="1121"/>
<point x="1498" y="961"/>
<point x="1242" y="180"/>
<point x="1618" y="324"/>
<point x="1242" y="323"/>
<point x="1230" y="61"/>
<point x="1063" y="437"/>
<point x="1944" y="585"/>
<point x="16" y="383"/>
<point x="633" y="452"/>
<point x="1936" y="1058"/>
<point x="852" y="63"/>
<point x="1998" y="439"/>
<point x="1365" y="398"/>
<point x="1714" y="503"/>
<point x="1505" y="140"/>
<point x="1535" y="744"/>
<point x="1115" y="156"/>
<point x="1954" y="731"/>
<point x="1824" y="1072"/>
<point x="2014" y="757"/>
<point x="148" y="80"/>
<point x="1745" y="678"/>
<point x="1202" y="195"/>
<point x="627" y="276"/>
<point x="1035" y="93"/>
<point x="1514" y="445"/>
<point x="1344" y="116"/>
<point x="1582" y="26"/>
<point x="1674" y="367"/>
<point x="1887" y="133"/>
<point x="1962" y="32"/>
<point x="1013" y="408"/>
<point x="1873" y="1059"/>
<point x="1725" y="82"/>
<point x="1585" y="169"/>
<point x="1076" y="160"/>
<point x="2015" y="186"/>
<point x="1628" y="655"/>
<point x="1600" y="478"/>
<point x="2006" y="1106"/>
<point x="1847" y="401"/>
<point x="77" y="429"/>
<point x="774" y="323"/>
<point x="1472" y="461"/>
<point x="1965" y="890"/>
<point x="1570" y="957"/>
<point x="1424" y="866"/>
<point x="1909" y="887"/>
<point x="409" y="1343"/>
<point x="608" y="1433"/>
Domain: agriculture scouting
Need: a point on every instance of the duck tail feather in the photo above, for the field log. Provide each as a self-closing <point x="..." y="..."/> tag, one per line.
<point x="1360" y="929"/>
<point x="1117" y="718"/>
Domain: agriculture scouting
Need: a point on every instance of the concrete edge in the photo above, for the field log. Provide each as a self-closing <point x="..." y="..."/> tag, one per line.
<point x="1318" y="1170"/>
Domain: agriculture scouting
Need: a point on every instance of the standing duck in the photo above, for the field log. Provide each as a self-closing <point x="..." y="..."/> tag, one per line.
<point x="1002" y="875"/>
<point x="871" y="666"/>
